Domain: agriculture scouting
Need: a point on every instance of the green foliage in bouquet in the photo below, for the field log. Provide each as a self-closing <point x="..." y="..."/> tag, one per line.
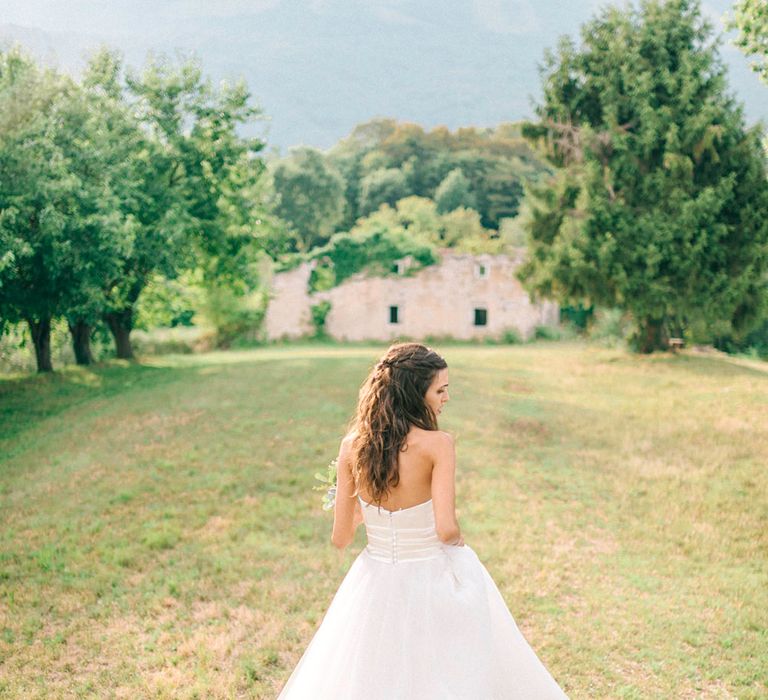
<point x="328" y="484"/>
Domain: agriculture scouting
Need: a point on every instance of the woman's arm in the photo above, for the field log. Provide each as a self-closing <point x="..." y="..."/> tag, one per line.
<point x="347" y="513"/>
<point x="444" y="489"/>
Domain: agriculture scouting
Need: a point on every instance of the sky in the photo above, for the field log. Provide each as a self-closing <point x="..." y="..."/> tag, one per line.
<point x="319" y="67"/>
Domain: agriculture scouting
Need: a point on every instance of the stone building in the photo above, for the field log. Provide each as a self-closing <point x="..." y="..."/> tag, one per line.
<point x="464" y="296"/>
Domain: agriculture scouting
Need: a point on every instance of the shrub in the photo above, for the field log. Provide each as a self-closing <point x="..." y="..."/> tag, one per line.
<point x="610" y="327"/>
<point x="166" y="303"/>
<point x="564" y="331"/>
<point x="236" y="318"/>
<point x="180" y="340"/>
<point x="319" y="314"/>
<point x="547" y="333"/>
<point x="754" y="343"/>
<point x="579" y="316"/>
<point x="511" y="336"/>
<point x="436" y="340"/>
<point x="375" y="251"/>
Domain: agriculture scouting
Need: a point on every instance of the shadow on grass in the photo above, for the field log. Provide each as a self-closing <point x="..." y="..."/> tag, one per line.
<point x="717" y="366"/>
<point x="26" y="400"/>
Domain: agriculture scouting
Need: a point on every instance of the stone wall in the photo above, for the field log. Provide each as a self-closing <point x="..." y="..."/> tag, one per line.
<point x="288" y="313"/>
<point x="447" y="299"/>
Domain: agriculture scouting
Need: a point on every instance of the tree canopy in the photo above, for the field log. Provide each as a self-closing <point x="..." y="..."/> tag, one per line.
<point x="63" y="178"/>
<point x="107" y="182"/>
<point x="382" y="186"/>
<point x="454" y="192"/>
<point x="658" y="207"/>
<point x="308" y="196"/>
<point x="385" y="160"/>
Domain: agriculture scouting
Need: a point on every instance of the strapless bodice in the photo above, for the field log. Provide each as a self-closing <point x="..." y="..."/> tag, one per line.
<point x="407" y="534"/>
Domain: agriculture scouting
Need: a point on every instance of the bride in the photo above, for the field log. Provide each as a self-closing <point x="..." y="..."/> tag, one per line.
<point x="417" y="616"/>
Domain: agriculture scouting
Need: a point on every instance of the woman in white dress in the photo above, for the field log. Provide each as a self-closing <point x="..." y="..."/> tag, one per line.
<point x="417" y="616"/>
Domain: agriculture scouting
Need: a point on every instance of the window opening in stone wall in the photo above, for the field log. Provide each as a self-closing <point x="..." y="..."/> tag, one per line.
<point x="394" y="314"/>
<point x="481" y="317"/>
<point x="481" y="271"/>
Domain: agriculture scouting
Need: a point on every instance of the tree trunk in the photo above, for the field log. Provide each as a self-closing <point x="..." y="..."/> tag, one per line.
<point x="120" y="325"/>
<point x="41" y="337"/>
<point x="652" y="335"/>
<point x="81" y="341"/>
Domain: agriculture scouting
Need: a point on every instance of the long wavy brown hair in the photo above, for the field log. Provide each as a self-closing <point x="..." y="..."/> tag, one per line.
<point x="391" y="400"/>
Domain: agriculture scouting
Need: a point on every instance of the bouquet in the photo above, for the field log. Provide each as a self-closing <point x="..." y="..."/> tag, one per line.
<point x="328" y="484"/>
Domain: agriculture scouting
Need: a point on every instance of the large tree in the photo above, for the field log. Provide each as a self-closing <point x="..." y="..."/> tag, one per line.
<point x="60" y="222"/>
<point x="33" y="191"/>
<point x="101" y="139"/>
<point x="197" y="174"/>
<point x="659" y="206"/>
<point x="382" y="186"/>
<point x="347" y="157"/>
<point x="308" y="196"/>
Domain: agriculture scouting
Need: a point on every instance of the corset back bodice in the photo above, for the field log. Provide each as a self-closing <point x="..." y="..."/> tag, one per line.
<point x="407" y="534"/>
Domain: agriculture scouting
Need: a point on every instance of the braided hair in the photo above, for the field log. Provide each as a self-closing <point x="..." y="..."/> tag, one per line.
<point x="390" y="402"/>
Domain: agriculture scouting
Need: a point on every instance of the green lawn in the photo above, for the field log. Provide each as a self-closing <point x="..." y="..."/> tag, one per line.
<point x="160" y="537"/>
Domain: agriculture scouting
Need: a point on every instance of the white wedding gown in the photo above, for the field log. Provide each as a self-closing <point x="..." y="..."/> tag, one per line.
<point x="416" y="619"/>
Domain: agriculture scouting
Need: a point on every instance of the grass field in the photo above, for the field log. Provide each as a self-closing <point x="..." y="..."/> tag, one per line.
<point x="160" y="538"/>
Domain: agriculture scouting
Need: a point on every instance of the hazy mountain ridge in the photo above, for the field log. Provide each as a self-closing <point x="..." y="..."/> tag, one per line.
<point x="317" y="69"/>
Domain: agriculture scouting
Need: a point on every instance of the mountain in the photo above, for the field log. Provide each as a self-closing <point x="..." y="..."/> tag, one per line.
<point x="319" y="67"/>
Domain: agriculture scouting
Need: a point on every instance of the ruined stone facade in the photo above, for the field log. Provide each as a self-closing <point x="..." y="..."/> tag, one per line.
<point x="464" y="296"/>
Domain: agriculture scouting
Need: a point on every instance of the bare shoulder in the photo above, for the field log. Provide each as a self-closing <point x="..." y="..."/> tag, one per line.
<point x="346" y="441"/>
<point x="432" y="440"/>
<point x="443" y="442"/>
<point x="438" y="436"/>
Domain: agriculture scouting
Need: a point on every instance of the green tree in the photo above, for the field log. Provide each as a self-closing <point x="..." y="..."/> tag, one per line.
<point x="198" y="175"/>
<point x="348" y="157"/>
<point x="34" y="187"/>
<point x="100" y="137"/>
<point x="383" y="186"/>
<point x="496" y="162"/>
<point x="59" y="211"/>
<point x="308" y="196"/>
<point x="454" y="192"/>
<point x="659" y="207"/>
<point x="108" y="183"/>
<point x="420" y="158"/>
<point x="417" y="217"/>
<point x="375" y="249"/>
<point x="463" y="230"/>
<point x="750" y="18"/>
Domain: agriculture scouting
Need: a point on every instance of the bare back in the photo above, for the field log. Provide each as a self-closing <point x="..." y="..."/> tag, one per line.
<point x="415" y="463"/>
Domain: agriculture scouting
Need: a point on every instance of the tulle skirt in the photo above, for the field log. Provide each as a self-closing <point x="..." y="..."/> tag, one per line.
<point x="431" y="629"/>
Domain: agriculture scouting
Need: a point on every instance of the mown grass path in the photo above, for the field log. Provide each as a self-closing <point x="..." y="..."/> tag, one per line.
<point x="160" y="537"/>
